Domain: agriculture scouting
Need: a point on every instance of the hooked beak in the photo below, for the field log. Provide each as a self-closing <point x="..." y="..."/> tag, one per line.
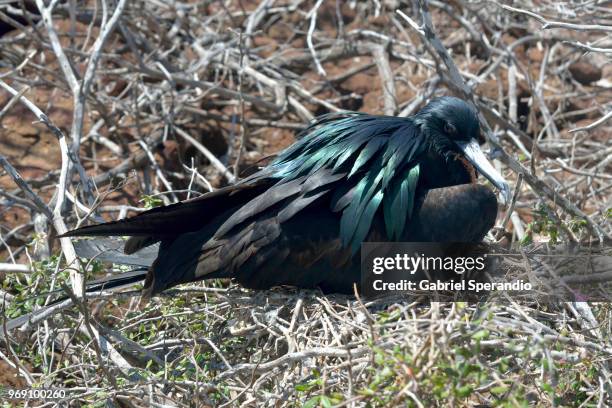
<point x="475" y="156"/>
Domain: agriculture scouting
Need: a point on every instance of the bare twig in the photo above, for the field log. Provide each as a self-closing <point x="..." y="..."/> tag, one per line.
<point x="593" y="125"/>
<point x="312" y="15"/>
<point x="457" y="81"/>
<point x="557" y="24"/>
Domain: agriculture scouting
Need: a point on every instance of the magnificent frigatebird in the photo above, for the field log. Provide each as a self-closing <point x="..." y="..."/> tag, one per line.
<point x="299" y="221"/>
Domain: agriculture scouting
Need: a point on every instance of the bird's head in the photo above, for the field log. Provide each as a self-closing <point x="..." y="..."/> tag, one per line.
<point x="452" y="130"/>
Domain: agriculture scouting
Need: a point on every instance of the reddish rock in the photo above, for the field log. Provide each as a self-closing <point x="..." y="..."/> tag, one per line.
<point x="585" y="73"/>
<point x="280" y="31"/>
<point x="535" y="54"/>
<point x="381" y="21"/>
<point x="267" y="46"/>
<point x="361" y="83"/>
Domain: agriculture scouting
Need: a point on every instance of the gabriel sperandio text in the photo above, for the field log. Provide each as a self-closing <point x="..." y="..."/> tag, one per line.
<point x="463" y="285"/>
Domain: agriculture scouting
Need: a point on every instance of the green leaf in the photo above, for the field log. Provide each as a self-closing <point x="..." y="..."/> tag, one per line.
<point x="151" y="201"/>
<point x="312" y="403"/>
<point x="499" y="390"/>
<point x="548" y="388"/>
<point x="325" y="401"/>
<point x="481" y="334"/>
<point x="464" y="391"/>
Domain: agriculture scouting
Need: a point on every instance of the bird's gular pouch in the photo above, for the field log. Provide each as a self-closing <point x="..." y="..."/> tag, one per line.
<point x="475" y="156"/>
<point x="468" y="167"/>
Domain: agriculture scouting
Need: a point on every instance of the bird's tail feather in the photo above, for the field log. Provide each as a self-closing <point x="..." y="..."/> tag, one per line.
<point x="178" y="218"/>
<point x="111" y="250"/>
<point x="169" y="220"/>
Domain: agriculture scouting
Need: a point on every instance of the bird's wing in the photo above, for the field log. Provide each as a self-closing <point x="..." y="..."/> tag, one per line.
<point x="304" y="251"/>
<point x="379" y="156"/>
<point x="170" y="221"/>
<point x="352" y="164"/>
<point x="344" y="166"/>
<point x="365" y="160"/>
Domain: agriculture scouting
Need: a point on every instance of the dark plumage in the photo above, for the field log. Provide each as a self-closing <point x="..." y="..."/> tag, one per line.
<point x="300" y="221"/>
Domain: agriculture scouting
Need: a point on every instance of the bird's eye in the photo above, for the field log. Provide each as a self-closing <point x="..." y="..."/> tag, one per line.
<point x="449" y="128"/>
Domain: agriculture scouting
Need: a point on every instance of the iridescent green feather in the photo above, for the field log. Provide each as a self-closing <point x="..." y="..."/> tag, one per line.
<point x="361" y="203"/>
<point x="370" y="151"/>
<point x="399" y="202"/>
<point x="367" y="153"/>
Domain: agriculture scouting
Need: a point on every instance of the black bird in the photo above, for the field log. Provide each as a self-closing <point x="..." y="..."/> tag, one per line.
<point x="299" y="221"/>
